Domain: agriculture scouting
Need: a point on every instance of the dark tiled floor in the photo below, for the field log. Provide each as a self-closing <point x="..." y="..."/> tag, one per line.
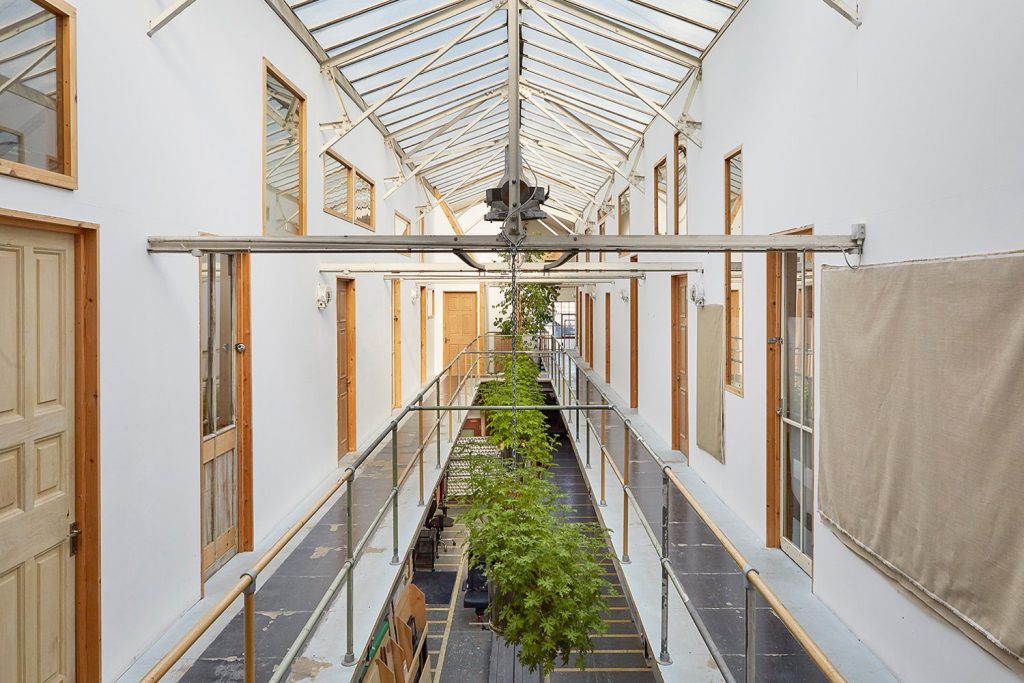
<point x="285" y="600"/>
<point x="710" y="577"/>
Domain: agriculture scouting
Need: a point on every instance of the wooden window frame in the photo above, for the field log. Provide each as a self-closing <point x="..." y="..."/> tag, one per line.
<point x="662" y="163"/>
<point x="601" y="226"/>
<point x="270" y="70"/>
<point x="372" y="225"/>
<point x="67" y="107"/>
<point x="618" y="210"/>
<point x="351" y="188"/>
<point x="679" y="141"/>
<point x="727" y="382"/>
<point x="88" y="624"/>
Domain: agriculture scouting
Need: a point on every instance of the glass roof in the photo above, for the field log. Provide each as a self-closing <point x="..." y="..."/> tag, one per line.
<point x="594" y="74"/>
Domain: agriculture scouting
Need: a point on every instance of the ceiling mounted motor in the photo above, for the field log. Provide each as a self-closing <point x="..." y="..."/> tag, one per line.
<point x="533" y="197"/>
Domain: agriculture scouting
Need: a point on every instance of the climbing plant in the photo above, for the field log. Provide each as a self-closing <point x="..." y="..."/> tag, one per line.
<point x="534" y="300"/>
<point x="546" y="582"/>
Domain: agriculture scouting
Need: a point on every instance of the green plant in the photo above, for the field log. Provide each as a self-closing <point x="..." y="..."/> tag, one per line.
<point x="547" y="586"/>
<point x="534" y="304"/>
<point x="528" y="429"/>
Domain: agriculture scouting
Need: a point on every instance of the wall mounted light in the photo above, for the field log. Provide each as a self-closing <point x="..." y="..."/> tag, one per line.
<point x="323" y="296"/>
<point x="624" y="295"/>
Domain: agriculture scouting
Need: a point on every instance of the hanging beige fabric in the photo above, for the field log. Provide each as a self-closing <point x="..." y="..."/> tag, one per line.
<point x="710" y="371"/>
<point x="922" y="434"/>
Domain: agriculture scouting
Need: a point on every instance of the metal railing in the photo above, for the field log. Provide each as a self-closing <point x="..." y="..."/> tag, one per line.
<point x="566" y="373"/>
<point x="455" y="381"/>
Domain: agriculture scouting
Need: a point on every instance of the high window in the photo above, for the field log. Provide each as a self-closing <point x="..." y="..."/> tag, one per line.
<point x="734" y="274"/>
<point x="624" y="212"/>
<point x="363" y="201"/>
<point x="681" y="183"/>
<point x="602" y="213"/>
<point x="37" y="92"/>
<point x="337" y="186"/>
<point x="284" y="157"/>
<point x="661" y="198"/>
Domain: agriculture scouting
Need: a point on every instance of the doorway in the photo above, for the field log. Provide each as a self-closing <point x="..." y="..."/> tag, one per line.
<point x="49" y="449"/>
<point x="680" y="367"/>
<point x="345" y="305"/>
<point x="225" y="397"/>
<point x="459" y="326"/>
<point x="790" y="404"/>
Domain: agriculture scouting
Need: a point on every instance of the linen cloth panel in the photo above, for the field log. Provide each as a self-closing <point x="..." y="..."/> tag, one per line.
<point x="922" y="434"/>
<point x="710" y="380"/>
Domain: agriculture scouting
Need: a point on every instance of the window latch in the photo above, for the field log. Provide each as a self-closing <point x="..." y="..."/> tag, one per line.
<point x="775" y="340"/>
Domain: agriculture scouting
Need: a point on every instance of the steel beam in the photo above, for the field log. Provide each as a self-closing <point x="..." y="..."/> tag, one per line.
<point x="167" y="15"/>
<point x="382" y="244"/>
<point x="850" y="14"/>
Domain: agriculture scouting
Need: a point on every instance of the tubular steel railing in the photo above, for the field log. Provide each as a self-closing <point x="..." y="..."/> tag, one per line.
<point x="457" y="377"/>
<point x="566" y="373"/>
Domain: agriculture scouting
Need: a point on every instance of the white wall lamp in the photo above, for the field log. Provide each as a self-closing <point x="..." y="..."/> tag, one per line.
<point x="323" y="296"/>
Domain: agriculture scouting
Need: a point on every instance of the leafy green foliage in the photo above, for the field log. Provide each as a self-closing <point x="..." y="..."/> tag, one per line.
<point x="535" y="304"/>
<point x="546" y="584"/>
<point x="532" y="440"/>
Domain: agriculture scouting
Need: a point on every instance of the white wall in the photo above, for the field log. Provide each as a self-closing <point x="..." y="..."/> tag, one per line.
<point x="170" y="142"/>
<point x="908" y="124"/>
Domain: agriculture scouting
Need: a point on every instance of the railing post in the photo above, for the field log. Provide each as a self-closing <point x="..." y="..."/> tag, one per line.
<point x="604" y="453"/>
<point x="664" y="657"/>
<point x="750" y="616"/>
<point x="249" y="625"/>
<point x="421" y="444"/>
<point x="437" y="435"/>
<point x="350" y="657"/>
<point x="625" y="495"/>
<point x="394" y="491"/>
<point x="587" y="432"/>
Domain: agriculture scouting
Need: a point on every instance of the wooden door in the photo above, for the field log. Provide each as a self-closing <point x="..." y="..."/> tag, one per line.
<point x="37" y="464"/>
<point x="460" y="324"/>
<point x="607" y="338"/>
<point x="680" y="367"/>
<point x="396" y="343"/>
<point x="345" y="306"/>
<point x="223" y="387"/>
<point x="590" y="329"/>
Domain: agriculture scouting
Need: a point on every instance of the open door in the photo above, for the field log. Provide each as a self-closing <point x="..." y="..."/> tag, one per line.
<point x="225" y="453"/>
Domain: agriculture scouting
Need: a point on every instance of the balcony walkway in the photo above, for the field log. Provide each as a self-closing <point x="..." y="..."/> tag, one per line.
<point x="706" y="571"/>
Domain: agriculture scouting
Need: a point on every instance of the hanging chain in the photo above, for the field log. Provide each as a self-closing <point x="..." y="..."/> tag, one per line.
<point x="513" y="269"/>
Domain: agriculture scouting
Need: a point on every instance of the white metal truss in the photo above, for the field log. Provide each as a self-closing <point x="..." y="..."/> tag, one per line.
<point x="581" y="82"/>
<point x="849" y="13"/>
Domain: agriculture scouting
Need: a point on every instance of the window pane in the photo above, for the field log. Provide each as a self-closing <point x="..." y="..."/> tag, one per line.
<point x="337" y="176"/>
<point x="224" y="391"/>
<point x="682" y="180"/>
<point x="661" y="199"/>
<point x="205" y="331"/>
<point x="30" y="101"/>
<point x="363" y="201"/>
<point x="402" y="225"/>
<point x="624" y="212"/>
<point x="734" y="280"/>
<point x="284" y="173"/>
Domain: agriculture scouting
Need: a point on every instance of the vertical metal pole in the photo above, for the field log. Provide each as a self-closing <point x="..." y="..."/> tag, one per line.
<point x="625" y="497"/>
<point x="750" y="615"/>
<point x="664" y="657"/>
<point x="514" y="161"/>
<point x="587" y="431"/>
<point x="603" y="454"/>
<point x="437" y="435"/>
<point x="421" y="444"/>
<point x="249" y="607"/>
<point x="350" y="657"/>
<point x="577" y="402"/>
<point x="394" y="492"/>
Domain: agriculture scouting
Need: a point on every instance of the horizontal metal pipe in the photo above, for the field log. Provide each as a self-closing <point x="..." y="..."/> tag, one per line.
<point x="494" y="243"/>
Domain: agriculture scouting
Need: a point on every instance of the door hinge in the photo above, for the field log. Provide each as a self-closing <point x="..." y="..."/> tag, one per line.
<point x="74" y="533"/>
<point x="775" y="340"/>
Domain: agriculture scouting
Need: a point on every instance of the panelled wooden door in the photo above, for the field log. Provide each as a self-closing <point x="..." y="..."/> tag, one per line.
<point x="607" y="338"/>
<point x="590" y="329"/>
<point x="222" y="462"/>
<point x="37" y="468"/>
<point x="460" y="324"/>
<point x="680" y="367"/>
<point x="345" y="305"/>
